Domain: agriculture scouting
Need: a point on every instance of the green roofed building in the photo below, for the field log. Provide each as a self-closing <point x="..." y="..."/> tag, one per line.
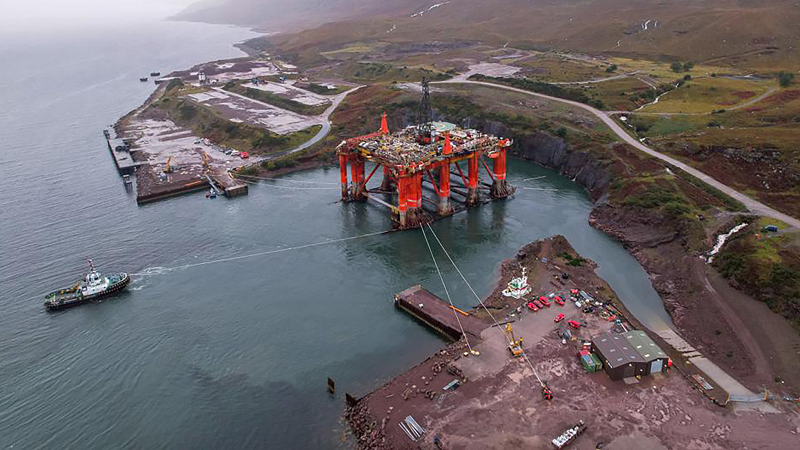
<point x="629" y="354"/>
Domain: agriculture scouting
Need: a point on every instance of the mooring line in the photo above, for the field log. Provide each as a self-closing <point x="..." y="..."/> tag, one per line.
<point x="286" y="180"/>
<point x="524" y="188"/>
<point x="159" y="270"/>
<point x="447" y="293"/>
<point x="292" y="188"/>
<point x="496" y="324"/>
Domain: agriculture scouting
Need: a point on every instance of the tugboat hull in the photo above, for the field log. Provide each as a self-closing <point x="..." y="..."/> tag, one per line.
<point x="65" y="299"/>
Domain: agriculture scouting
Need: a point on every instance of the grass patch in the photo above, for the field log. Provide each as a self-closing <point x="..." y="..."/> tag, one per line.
<point x="380" y="72"/>
<point x="708" y="94"/>
<point x="276" y="100"/>
<point x="766" y="267"/>
<point x="549" y="68"/>
<point x="730" y="203"/>
<point x="321" y="89"/>
<point x="672" y="125"/>
<point x="552" y="90"/>
<point x="574" y="261"/>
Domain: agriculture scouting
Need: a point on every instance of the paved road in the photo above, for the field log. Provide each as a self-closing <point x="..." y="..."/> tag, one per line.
<point x="326" y="123"/>
<point x="751" y="204"/>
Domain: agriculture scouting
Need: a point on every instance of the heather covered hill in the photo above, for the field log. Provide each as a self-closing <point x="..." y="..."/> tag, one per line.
<point x="289" y="15"/>
<point x="757" y="33"/>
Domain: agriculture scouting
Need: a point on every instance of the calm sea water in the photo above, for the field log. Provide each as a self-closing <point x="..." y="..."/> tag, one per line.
<point x="202" y="353"/>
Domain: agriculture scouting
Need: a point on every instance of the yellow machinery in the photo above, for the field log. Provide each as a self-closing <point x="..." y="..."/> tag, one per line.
<point x="167" y="166"/>
<point x="514" y="345"/>
<point x="206" y="165"/>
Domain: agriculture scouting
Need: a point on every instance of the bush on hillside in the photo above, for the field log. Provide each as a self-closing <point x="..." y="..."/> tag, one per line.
<point x="785" y="79"/>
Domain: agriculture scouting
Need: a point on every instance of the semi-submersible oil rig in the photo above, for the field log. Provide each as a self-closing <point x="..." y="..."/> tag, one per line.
<point x="427" y="155"/>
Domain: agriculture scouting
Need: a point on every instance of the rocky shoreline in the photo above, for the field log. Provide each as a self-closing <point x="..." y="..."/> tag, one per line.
<point x="499" y="407"/>
<point x="676" y="275"/>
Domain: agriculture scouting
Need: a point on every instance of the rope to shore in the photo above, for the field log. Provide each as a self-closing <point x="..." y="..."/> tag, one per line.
<point x="288" y="181"/>
<point x="496" y="323"/>
<point x="268" y="252"/>
<point x="447" y="293"/>
<point x="537" y="189"/>
<point x="291" y="188"/>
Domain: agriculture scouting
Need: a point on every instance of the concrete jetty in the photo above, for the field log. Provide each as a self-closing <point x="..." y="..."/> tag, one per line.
<point x="120" y="152"/>
<point x="230" y="186"/>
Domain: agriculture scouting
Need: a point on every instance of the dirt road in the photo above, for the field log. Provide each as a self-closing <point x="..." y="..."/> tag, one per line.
<point x="751" y="204"/>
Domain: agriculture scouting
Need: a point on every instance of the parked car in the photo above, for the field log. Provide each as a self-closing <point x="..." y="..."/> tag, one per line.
<point x="559" y="300"/>
<point x="559" y="318"/>
<point x="532" y="307"/>
<point x="234" y="153"/>
<point x="244" y="155"/>
<point x="536" y="302"/>
<point x="574" y="324"/>
<point x="545" y="302"/>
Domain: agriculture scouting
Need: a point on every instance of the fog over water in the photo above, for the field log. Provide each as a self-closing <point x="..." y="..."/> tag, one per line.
<point x="44" y="16"/>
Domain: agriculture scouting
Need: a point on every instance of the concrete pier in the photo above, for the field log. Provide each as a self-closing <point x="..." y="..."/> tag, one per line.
<point x="231" y="186"/>
<point x="120" y="152"/>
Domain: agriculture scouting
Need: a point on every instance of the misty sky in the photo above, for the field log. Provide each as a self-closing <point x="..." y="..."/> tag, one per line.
<point x="66" y="13"/>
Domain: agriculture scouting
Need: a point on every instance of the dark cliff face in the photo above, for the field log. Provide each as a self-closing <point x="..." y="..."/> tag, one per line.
<point x="536" y="146"/>
<point x="555" y="153"/>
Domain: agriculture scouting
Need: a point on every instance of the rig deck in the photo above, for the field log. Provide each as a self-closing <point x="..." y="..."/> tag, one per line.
<point x="424" y="153"/>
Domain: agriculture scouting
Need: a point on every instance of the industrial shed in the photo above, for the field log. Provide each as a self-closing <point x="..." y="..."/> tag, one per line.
<point x="629" y="354"/>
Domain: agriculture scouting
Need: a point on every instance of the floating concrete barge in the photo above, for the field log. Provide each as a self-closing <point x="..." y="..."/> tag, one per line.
<point x="121" y="153"/>
<point x="438" y="314"/>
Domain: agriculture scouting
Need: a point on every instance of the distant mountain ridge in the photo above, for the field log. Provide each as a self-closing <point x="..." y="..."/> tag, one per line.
<point x="288" y="15"/>
<point x="764" y="31"/>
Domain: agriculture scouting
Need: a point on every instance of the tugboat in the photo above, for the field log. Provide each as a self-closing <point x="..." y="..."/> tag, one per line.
<point x="155" y="74"/>
<point x="92" y="287"/>
<point x="518" y="287"/>
<point x="143" y="79"/>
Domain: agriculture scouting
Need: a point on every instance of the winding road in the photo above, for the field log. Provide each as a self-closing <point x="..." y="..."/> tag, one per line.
<point x="326" y="122"/>
<point x="323" y="120"/>
<point x="753" y="205"/>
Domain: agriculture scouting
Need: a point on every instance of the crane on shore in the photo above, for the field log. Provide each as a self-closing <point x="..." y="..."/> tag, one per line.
<point x="167" y="166"/>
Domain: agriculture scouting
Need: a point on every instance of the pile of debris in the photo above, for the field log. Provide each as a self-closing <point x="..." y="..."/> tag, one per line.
<point x="367" y="431"/>
<point x="402" y="148"/>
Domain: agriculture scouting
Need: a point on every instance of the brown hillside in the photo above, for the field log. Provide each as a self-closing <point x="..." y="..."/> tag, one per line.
<point x="759" y="34"/>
